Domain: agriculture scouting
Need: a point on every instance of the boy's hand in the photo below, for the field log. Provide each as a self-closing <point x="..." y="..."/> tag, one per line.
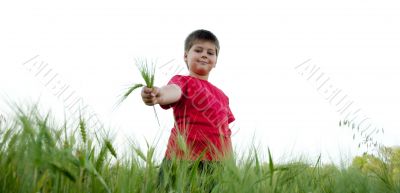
<point x="150" y="95"/>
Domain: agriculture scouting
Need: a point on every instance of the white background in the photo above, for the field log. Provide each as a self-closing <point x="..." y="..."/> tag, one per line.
<point x="92" y="46"/>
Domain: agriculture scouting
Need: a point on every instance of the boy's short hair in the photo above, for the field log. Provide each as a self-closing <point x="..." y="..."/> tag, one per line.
<point x="201" y="35"/>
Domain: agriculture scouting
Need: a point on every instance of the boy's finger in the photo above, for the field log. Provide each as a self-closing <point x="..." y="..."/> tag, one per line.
<point x="144" y="94"/>
<point x="148" y="96"/>
<point x="147" y="90"/>
<point x="149" y="102"/>
<point x="154" y="91"/>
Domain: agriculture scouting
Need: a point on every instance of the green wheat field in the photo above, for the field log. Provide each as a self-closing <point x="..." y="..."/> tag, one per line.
<point x="39" y="155"/>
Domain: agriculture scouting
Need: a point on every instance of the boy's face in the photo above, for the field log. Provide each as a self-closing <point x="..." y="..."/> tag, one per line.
<point x="201" y="58"/>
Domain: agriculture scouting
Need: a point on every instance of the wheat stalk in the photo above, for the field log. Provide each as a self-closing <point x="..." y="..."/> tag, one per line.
<point x="148" y="73"/>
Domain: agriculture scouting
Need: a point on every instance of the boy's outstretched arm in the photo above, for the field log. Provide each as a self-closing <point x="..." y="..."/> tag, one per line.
<point x="163" y="96"/>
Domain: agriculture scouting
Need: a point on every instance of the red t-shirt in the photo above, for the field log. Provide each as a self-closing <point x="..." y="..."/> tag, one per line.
<point x="202" y="116"/>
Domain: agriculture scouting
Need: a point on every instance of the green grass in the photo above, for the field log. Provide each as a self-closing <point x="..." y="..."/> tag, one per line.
<point x="38" y="155"/>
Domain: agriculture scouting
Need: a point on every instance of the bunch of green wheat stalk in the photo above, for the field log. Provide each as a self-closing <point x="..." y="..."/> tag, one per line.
<point x="147" y="70"/>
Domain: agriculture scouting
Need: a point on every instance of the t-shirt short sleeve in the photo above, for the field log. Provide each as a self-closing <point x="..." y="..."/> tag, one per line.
<point x="180" y="81"/>
<point x="231" y="118"/>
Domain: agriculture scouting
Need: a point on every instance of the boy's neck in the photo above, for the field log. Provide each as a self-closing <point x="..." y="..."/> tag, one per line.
<point x="205" y="77"/>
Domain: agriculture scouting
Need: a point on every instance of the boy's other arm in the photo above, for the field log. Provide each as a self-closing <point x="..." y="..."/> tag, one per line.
<point x="165" y="95"/>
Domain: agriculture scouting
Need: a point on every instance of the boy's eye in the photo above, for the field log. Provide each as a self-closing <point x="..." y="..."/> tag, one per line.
<point x="211" y="53"/>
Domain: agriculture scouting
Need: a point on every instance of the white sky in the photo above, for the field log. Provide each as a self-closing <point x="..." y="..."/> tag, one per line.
<point x="91" y="46"/>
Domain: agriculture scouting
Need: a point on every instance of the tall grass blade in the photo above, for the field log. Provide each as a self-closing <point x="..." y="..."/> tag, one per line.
<point x="271" y="167"/>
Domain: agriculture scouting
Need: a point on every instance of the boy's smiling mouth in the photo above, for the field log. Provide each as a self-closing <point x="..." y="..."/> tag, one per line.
<point x="203" y="62"/>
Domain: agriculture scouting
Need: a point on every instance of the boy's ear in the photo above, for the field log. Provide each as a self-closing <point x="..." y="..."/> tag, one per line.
<point x="185" y="57"/>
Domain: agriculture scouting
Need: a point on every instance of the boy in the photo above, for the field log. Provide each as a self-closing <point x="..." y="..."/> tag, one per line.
<point x="201" y="110"/>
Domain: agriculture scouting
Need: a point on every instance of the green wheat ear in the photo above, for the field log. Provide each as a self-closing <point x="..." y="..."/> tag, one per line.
<point x="147" y="71"/>
<point x="110" y="147"/>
